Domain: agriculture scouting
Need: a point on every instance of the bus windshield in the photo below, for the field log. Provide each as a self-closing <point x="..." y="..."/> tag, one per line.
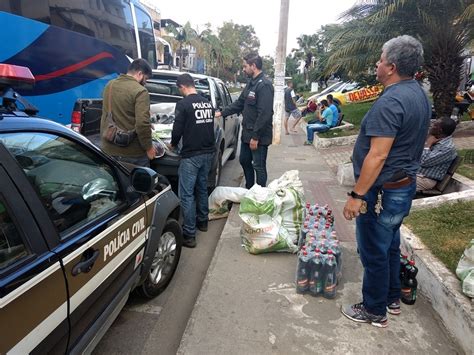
<point x="73" y="48"/>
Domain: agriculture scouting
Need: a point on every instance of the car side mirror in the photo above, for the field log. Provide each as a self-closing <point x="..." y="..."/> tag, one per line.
<point x="144" y="180"/>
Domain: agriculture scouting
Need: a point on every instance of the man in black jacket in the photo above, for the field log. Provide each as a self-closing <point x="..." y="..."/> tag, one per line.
<point x="256" y="104"/>
<point x="194" y="123"/>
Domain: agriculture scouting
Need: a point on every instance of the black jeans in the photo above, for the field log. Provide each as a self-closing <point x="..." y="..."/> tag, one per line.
<point x="254" y="162"/>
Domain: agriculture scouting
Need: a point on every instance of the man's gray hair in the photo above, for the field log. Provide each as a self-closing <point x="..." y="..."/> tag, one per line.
<point x="406" y="53"/>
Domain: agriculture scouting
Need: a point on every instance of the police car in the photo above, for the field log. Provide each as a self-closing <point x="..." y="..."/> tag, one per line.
<point x="78" y="231"/>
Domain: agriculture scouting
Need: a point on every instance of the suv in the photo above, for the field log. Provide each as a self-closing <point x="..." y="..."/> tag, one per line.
<point x="78" y="231"/>
<point x="164" y="95"/>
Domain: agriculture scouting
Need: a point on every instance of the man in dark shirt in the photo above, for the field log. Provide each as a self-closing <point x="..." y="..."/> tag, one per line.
<point x="256" y="105"/>
<point x="386" y="158"/>
<point x="194" y="123"/>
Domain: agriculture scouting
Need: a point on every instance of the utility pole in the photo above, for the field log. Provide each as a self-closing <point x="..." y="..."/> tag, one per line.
<point x="280" y="63"/>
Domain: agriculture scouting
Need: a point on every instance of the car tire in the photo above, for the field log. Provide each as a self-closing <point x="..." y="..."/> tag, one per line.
<point x="165" y="260"/>
<point x="235" y="145"/>
<point x="216" y="173"/>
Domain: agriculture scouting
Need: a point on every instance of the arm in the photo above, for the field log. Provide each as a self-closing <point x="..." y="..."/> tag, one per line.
<point x="178" y="125"/>
<point x="436" y="155"/>
<point x="236" y="107"/>
<point x="264" y="110"/>
<point x="371" y="168"/>
<point x="142" y="122"/>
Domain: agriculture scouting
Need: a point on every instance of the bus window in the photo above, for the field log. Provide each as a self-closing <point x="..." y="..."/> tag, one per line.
<point x="147" y="39"/>
<point x="36" y="10"/>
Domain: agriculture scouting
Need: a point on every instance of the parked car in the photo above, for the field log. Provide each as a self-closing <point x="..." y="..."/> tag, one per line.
<point x="164" y="95"/>
<point x="78" y="231"/>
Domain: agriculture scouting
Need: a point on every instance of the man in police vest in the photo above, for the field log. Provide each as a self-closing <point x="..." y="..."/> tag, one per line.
<point x="256" y="104"/>
<point x="194" y="123"/>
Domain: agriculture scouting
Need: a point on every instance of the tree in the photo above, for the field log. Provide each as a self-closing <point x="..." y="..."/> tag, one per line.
<point x="444" y="27"/>
<point x="237" y="40"/>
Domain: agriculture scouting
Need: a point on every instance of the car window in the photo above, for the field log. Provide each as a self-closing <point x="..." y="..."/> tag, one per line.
<point x="12" y="247"/>
<point x="226" y="93"/>
<point x="74" y="184"/>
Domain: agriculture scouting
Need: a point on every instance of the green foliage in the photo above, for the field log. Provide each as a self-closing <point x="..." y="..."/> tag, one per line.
<point x="446" y="230"/>
<point x="268" y="66"/>
<point x="467" y="166"/>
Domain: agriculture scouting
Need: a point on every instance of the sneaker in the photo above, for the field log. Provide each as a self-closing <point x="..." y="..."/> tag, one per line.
<point x="189" y="242"/>
<point x="394" y="308"/>
<point x="358" y="313"/>
<point x="308" y="143"/>
<point x="202" y="226"/>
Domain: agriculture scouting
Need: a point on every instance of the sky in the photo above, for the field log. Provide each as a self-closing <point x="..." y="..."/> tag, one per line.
<point x="305" y="16"/>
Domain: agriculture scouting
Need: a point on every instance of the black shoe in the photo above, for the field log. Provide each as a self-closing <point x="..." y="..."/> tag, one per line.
<point x="189" y="242"/>
<point x="202" y="226"/>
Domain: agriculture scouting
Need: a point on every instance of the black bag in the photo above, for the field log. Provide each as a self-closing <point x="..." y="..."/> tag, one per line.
<point x="113" y="133"/>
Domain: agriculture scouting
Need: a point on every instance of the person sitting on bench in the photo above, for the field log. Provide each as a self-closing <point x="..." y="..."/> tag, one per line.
<point x="335" y="110"/>
<point x="324" y="114"/>
<point x="438" y="154"/>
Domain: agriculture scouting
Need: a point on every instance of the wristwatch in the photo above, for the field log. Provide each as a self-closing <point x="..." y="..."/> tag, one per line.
<point x="355" y="195"/>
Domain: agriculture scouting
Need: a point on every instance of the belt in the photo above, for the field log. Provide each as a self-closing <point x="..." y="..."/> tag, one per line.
<point x="396" y="184"/>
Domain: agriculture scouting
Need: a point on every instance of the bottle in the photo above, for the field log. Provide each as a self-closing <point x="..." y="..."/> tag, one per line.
<point x="336" y="250"/>
<point x="410" y="284"/>
<point x="303" y="271"/>
<point x="403" y="265"/>
<point x="330" y="277"/>
<point x="303" y="233"/>
<point x="316" y="278"/>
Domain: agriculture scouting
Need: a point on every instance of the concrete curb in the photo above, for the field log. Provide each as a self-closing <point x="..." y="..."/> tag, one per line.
<point x="230" y="229"/>
<point x="435" y="201"/>
<point x="442" y="289"/>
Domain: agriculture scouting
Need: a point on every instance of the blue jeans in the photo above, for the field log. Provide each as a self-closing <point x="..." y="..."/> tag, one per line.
<point x="254" y="162"/>
<point x="193" y="173"/>
<point x="315" y="127"/>
<point x="378" y="241"/>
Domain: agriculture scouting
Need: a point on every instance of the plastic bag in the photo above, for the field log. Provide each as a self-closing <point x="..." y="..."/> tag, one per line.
<point x="289" y="189"/>
<point x="261" y="231"/>
<point x="465" y="270"/>
<point x="220" y="199"/>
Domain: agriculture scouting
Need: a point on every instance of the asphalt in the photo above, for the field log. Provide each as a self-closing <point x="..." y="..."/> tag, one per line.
<point x="248" y="303"/>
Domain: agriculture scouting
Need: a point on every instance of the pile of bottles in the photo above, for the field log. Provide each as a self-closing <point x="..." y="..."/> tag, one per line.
<point x="409" y="284"/>
<point x="319" y="254"/>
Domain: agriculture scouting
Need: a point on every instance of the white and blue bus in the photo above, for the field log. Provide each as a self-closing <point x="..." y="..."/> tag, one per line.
<point x="73" y="47"/>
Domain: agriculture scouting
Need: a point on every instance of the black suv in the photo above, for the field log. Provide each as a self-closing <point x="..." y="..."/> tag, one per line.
<point x="164" y="95"/>
<point x="78" y="231"/>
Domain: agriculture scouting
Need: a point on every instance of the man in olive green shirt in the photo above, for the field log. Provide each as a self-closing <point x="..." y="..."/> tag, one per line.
<point x="130" y="107"/>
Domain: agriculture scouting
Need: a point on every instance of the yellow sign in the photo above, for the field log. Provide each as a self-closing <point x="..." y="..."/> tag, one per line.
<point x="361" y="95"/>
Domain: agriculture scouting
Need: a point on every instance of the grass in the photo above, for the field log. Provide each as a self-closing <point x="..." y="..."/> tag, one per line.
<point x="467" y="167"/>
<point x="445" y="230"/>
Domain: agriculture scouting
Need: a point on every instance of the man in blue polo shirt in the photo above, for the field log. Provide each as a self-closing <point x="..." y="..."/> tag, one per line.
<point x="325" y="116"/>
<point x="386" y="159"/>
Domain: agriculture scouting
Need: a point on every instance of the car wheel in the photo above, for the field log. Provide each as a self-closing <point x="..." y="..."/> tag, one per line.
<point x="165" y="261"/>
<point x="216" y="174"/>
<point x="235" y="145"/>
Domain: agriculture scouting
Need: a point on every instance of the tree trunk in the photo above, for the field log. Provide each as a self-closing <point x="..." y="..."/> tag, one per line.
<point x="444" y="67"/>
<point x="180" y="56"/>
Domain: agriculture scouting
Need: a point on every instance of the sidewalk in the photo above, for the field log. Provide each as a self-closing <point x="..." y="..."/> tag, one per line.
<point x="248" y="303"/>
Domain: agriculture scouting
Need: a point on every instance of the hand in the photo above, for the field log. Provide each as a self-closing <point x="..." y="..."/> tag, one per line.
<point x="431" y="140"/>
<point x="253" y="144"/>
<point x="151" y="153"/>
<point x="218" y="114"/>
<point x="352" y="208"/>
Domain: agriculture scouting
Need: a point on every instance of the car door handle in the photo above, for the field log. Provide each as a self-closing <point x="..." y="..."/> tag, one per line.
<point x="87" y="262"/>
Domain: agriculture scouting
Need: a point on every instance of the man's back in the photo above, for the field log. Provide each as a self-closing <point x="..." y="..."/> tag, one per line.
<point x="130" y="105"/>
<point x="195" y="123"/>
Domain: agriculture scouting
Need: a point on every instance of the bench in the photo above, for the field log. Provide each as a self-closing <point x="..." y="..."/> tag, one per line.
<point x="441" y="185"/>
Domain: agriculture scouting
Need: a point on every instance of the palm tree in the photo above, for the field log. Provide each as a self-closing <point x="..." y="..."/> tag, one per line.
<point x="444" y="27"/>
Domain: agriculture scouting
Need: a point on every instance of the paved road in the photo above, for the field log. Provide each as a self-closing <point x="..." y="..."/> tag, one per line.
<point x="156" y="326"/>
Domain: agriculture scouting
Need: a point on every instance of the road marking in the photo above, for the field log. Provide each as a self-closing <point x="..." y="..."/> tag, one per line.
<point x="144" y="308"/>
